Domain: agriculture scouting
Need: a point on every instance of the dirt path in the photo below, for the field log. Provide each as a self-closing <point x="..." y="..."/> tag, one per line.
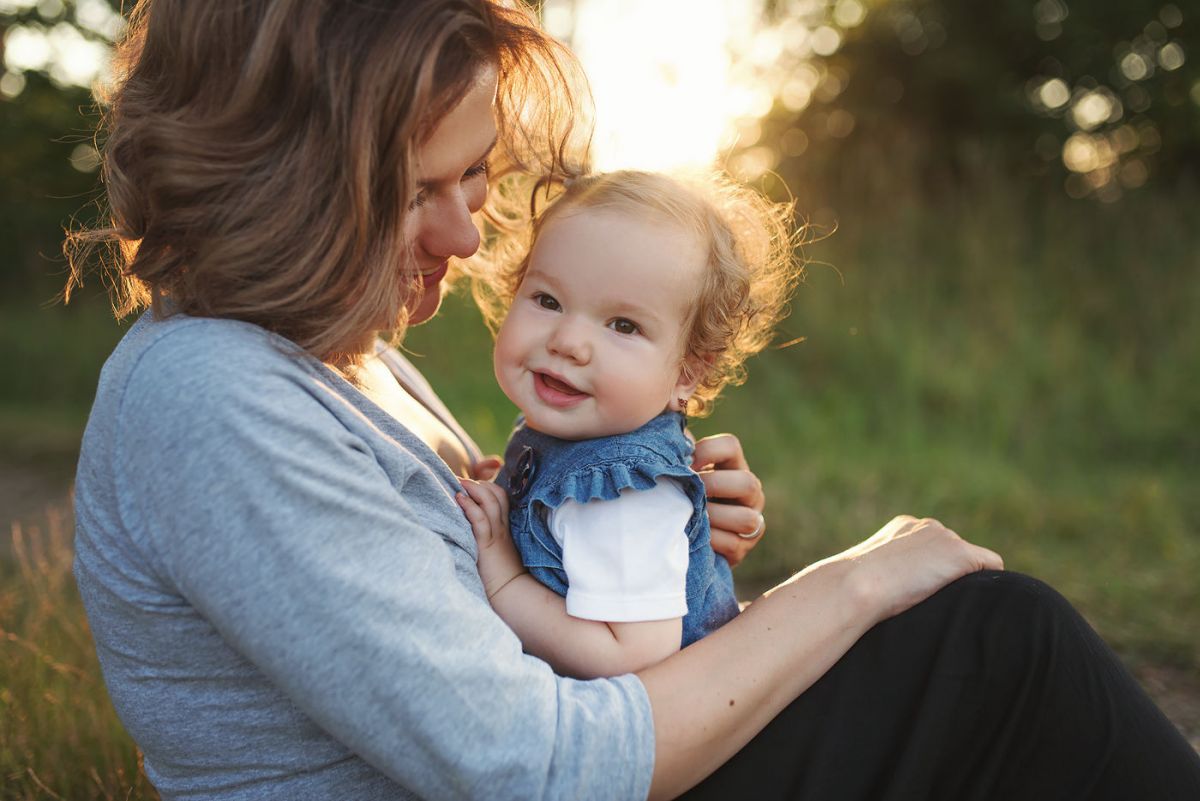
<point x="1177" y="693"/>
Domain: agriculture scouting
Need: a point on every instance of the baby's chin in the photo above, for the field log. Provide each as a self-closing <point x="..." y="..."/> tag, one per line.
<point x="562" y="427"/>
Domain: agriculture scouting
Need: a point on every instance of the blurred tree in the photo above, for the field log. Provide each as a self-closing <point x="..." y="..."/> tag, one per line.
<point x="1101" y="95"/>
<point x="51" y="53"/>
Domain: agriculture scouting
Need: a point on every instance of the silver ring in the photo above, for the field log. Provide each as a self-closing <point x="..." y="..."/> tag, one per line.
<point x="758" y="530"/>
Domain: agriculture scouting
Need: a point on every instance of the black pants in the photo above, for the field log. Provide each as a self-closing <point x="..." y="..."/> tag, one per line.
<point x="994" y="688"/>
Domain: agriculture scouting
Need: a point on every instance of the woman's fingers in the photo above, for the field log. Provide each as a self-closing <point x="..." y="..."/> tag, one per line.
<point x="731" y="546"/>
<point x="988" y="559"/>
<point x="909" y="559"/>
<point x="744" y="523"/>
<point x="735" y="495"/>
<point x="720" y="451"/>
<point x="739" y="486"/>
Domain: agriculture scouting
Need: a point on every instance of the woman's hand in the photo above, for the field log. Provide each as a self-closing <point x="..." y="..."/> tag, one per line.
<point x="908" y="560"/>
<point x="735" y="496"/>
<point x="486" y="508"/>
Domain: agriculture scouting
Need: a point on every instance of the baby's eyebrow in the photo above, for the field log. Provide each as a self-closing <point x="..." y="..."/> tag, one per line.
<point x="637" y="312"/>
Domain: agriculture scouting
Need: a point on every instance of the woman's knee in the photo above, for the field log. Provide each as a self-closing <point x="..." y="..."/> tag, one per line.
<point x="1014" y="618"/>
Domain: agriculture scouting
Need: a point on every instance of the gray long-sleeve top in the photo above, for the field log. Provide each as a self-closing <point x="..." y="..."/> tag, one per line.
<point x="284" y="597"/>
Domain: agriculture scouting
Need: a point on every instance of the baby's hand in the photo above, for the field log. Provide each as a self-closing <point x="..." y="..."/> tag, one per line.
<point x="486" y="508"/>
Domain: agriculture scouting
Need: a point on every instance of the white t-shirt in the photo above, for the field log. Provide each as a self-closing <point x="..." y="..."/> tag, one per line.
<point x="626" y="559"/>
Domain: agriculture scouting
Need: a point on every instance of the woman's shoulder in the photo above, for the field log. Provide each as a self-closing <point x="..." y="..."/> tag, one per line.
<point x="193" y="357"/>
<point x="204" y="343"/>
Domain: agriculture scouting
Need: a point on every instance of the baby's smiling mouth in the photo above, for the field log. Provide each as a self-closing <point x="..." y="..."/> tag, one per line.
<point x="559" y="386"/>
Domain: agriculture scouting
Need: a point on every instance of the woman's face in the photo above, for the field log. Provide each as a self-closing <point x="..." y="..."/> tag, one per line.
<point x="452" y="184"/>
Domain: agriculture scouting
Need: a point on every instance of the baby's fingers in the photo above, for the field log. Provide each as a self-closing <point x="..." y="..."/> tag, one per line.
<point x="481" y="525"/>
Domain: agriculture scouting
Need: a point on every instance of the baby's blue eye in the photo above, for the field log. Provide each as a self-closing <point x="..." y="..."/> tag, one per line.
<point x="546" y="301"/>
<point x="623" y="326"/>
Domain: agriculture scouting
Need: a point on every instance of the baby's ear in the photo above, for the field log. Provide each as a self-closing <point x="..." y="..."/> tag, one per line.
<point x="691" y="372"/>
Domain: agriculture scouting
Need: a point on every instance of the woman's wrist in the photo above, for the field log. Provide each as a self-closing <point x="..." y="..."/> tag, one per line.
<point x="852" y="583"/>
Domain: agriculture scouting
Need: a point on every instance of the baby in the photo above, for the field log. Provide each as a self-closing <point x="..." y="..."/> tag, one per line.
<point x="640" y="298"/>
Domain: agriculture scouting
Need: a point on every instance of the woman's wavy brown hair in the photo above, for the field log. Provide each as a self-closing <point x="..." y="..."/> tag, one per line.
<point x="257" y="154"/>
<point x="751" y="245"/>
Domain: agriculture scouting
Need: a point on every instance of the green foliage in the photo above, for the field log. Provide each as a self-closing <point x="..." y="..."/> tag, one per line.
<point x="946" y="84"/>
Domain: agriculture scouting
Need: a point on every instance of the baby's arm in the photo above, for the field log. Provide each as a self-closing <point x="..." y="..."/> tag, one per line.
<point x="572" y="646"/>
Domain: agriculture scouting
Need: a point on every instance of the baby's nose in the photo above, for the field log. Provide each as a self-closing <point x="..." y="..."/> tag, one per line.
<point x="570" y="341"/>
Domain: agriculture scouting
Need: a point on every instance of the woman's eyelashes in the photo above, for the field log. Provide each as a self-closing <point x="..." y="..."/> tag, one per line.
<point x="422" y="196"/>
<point x="479" y="169"/>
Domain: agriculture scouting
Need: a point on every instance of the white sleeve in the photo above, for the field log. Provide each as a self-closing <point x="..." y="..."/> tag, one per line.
<point x="626" y="559"/>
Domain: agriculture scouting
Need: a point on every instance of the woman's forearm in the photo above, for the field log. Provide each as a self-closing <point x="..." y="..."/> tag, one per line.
<point x="712" y="697"/>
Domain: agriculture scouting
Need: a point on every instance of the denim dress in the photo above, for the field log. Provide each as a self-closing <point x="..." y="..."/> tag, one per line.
<point x="542" y="472"/>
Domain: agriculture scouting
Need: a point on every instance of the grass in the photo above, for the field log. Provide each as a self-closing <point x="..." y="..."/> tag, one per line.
<point x="1023" y="367"/>
<point x="59" y="736"/>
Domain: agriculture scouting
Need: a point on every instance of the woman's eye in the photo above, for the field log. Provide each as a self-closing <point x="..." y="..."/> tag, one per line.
<point x="546" y="301"/>
<point x="623" y="326"/>
<point x="479" y="169"/>
<point x="418" y="200"/>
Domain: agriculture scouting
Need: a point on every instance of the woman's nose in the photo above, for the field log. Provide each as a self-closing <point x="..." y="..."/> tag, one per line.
<point x="570" y="341"/>
<point x="450" y="231"/>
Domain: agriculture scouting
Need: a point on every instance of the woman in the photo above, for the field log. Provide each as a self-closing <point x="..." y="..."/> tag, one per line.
<point x="282" y="590"/>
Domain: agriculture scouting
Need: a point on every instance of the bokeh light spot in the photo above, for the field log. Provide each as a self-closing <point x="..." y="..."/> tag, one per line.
<point x="98" y="17"/>
<point x="1079" y="153"/>
<point x="85" y="158"/>
<point x="840" y="123"/>
<point x="1092" y="109"/>
<point x="751" y="164"/>
<point x="50" y="9"/>
<point x="1050" y="12"/>
<point x="796" y="95"/>
<point x="1135" y="67"/>
<point x="793" y="142"/>
<point x="1133" y="174"/>
<point x="1171" y="57"/>
<point x="826" y="41"/>
<point x="12" y="84"/>
<point x="1054" y="93"/>
<point x="849" y="13"/>
<point x="26" y="48"/>
<point x="1171" y="16"/>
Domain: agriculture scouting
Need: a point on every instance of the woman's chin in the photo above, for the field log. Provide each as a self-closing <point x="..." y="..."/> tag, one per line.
<point x="426" y="307"/>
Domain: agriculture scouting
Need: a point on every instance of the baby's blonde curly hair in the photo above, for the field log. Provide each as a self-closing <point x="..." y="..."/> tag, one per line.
<point x="752" y="262"/>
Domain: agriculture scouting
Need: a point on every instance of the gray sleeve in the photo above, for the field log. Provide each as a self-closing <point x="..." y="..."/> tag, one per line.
<point x="276" y="522"/>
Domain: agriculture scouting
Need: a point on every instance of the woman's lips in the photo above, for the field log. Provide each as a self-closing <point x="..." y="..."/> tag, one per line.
<point x="431" y="279"/>
<point x="556" y="392"/>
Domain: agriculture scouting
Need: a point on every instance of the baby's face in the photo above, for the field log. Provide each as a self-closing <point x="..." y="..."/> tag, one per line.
<point x="594" y="343"/>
